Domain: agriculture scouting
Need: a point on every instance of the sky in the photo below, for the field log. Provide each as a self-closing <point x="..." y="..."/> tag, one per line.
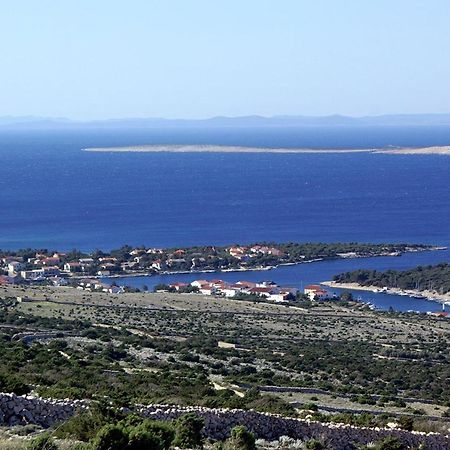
<point x="106" y="59"/>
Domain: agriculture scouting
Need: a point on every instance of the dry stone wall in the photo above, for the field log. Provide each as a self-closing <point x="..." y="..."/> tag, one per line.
<point x="15" y="410"/>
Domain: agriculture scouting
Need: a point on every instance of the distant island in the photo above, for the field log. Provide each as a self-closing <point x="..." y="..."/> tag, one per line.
<point x="442" y="150"/>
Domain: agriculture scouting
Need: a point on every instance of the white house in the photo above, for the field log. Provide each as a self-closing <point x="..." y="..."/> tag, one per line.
<point x="315" y="291"/>
<point x="14" y="267"/>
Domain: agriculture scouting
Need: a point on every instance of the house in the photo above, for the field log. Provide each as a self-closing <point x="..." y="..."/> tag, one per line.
<point x="50" y="261"/>
<point x="207" y="289"/>
<point x="245" y="285"/>
<point x="90" y="284"/>
<point x="86" y="261"/>
<point x="270" y="284"/>
<point x="262" y="291"/>
<point x="108" y="259"/>
<point x="14" y="267"/>
<point x="156" y="264"/>
<point x="199" y="283"/>
<point x="155" y="251"/>
<point x="230" y="291"/>
<point x="114" y="289"/>
<point x="177" y="286"/>
<point x="137" y="252"/>
<point x="7" y="259"/>
<point x="128" y="265"/>
<point x="58" y="281"/>
<point x="174" y="261"/>
<point x="52" y="271"/>
<point x="315" y="292"/>
<point x="72" y="266"/>
<point x="103" y="273"/>
<point x="282" y="295"/>
<point x="217" y="283"/>
<point x="32" y="275"/>
<point x="237" y="252"/>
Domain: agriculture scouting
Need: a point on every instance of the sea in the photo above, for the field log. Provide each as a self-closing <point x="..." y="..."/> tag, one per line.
<point x="54" y="195"/>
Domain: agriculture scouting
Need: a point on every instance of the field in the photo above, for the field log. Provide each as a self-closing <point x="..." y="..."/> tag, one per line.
<point x="322" y="359"/>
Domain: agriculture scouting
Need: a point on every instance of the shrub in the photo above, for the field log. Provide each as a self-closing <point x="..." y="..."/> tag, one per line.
<point x="406" y="423"/>
<point x="42" y="442"/>
<point x="151" y="434"/>
<point x="389" y="443"/>
<point x="314" y="444"/>
<point x="188" y="431"/>
<point x="85" y="426"/>
<point x="111" y="437"/>
<point x="141" y="439"/>
<point x="241" y="439"/>
<point x="11" y="383"/>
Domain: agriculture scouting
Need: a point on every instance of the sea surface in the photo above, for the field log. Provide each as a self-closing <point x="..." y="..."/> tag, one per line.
<point x="55" y="196"/>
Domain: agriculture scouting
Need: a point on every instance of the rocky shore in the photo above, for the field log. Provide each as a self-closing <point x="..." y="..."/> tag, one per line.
<point x="442" y="150"/>
<point x="429" y="295"/>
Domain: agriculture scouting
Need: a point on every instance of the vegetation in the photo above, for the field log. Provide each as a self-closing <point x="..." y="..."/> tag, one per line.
<point x="128" y="259"/>
<point x="433" y="278"/>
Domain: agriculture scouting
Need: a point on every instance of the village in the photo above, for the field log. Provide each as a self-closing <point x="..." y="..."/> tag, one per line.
<point x="38" y="265"/>
<point x="85" y="273"/>
<point x="247" y="290"/>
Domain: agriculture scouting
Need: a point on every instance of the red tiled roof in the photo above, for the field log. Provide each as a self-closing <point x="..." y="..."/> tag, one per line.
<point x="315" y="287"/>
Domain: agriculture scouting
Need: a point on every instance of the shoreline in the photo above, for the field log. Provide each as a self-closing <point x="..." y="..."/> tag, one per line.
<point x="428" y="295"/>
<point x="253" y="269"/>
<point x="432" y="150"/>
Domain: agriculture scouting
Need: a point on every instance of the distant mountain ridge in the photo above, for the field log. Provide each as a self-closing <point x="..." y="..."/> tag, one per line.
<point x="42" y="123"/>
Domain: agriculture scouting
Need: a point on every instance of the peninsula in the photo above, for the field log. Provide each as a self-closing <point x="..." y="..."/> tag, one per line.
<point x="32" y="265"/>
<point x="441" y="150"/>
<point x="431" y="282"/>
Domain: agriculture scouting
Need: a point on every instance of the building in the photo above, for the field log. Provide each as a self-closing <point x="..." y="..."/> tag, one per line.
<point x="315" y="292"/>
<point x="14" y="267"/>
<point x="178" y="285"/>
<point x="73" y="266"/>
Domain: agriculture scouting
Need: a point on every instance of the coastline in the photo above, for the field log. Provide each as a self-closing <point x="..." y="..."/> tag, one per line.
<point x="435" y="150"/>
<point x="429" y="295"/>
<point x="252" y="269"/>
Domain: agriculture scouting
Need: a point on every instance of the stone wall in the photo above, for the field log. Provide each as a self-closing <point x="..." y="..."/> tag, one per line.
<point x="21" y="410"/>
<point x="16" y="410"/>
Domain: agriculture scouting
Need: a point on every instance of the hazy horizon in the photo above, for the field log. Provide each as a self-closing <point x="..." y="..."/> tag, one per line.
<point x="177" y="60"/>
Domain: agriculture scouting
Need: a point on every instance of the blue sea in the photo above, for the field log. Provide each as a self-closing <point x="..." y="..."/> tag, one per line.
<point x="53" y="195"/>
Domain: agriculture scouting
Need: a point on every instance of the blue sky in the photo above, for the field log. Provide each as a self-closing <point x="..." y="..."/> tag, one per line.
<point x="200" y="58"/>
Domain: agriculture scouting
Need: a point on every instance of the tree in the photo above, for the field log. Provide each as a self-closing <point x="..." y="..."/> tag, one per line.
<point x="241" y="439"/>
<point x="111" y="437"/>
<point x="406" y="423"/>
<point x="188" y="431"/>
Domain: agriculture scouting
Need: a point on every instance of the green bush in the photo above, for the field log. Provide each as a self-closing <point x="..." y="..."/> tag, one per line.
<point x="141" y="439"/>
<point x="11" y="383"/>
<point x="85" y="426"/>
<point x="42" y="442"/>
<point x="111" y="437"/>
<point x="188" y="431"/>
<point x="389" y="443"/>
<point x="241" y="439"/>
<point x="150" y="434"/>
<point x="406" y="423"/>
<point x="314" y="444"/>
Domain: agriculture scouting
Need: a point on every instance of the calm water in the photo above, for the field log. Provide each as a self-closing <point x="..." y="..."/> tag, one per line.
<point x="55" y="196"/>
<point x="302" y="274"/>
